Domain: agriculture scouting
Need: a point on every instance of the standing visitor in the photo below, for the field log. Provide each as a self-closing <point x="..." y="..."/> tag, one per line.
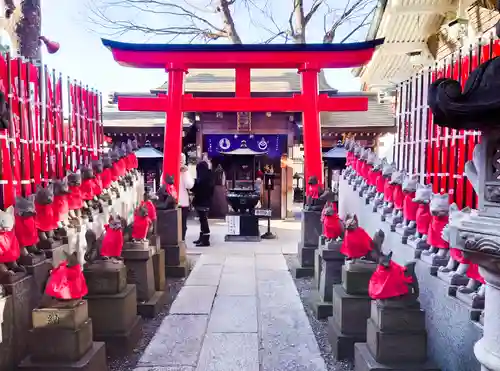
<point x="203" y="191"/>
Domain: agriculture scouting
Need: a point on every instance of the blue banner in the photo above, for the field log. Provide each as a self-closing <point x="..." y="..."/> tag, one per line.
<point x="273" y="145"/>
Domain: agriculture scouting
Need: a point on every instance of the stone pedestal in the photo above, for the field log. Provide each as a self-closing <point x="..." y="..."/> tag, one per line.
<point x="52" y="248"/>
<point x="351" y="309"/>
<point x="170" y="233"/>
<point x="61" y="339"/>
<point x="331" y="262"/>
<point x="311" y="230"/>
<point x="39" y="268"/>
<point x="396" y="339"/>
<point x="140" y="272"/>
<point x="159" y="269"/>
<point x="23" y="295"/>
<point x="113" y="306"/>
<point x="7" y="334"/>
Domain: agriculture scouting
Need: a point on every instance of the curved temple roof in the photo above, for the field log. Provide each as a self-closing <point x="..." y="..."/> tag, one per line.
<point x="250" y="55"/>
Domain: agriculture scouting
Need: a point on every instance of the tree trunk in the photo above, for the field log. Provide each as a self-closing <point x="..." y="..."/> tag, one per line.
<point x="28" y="29"/>
<point x="227" y="18"/>
<point x="299" y="28"/>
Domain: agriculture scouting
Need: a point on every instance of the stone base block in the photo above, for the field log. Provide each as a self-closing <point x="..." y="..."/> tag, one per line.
<point x="150" y="308"/>
<point x="122" y="342"/>
<point x="65" y="345"/>
<point x="350" y="311"/>
<point x="473" y="300"/>
<point x="397" y="319"/>
<point x="342" y="344"/>
<point x="317" y="268"/>
<point x="105" y="277"/>
<point x="311" y="228"/>
<point x="159" y="270"/>
<point x="396" y="347"/>
<point x="93" y="360"/>
<point x="176" y="271"/>
<point x="113" y="313"/>
<point x="49" y="247"/>
<point x="306" y="256"/>
<point x="322" y="309"/>
<point x="141" y="274"/>
<point x="172" y="255"/>
<point x="364" y="361"/>
<point x="40" y="272"/>
<point x="453" y="279"/>
<point x="356" y="282"/>
<point x="302" y="272"/>
<point x="434" y="260"/>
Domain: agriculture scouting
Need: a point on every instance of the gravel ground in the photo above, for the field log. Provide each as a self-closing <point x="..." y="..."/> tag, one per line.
<point x="150" y="325"/>
<point x="305" y="287"/>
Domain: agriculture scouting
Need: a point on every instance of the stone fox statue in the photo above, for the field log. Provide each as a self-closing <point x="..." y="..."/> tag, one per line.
<point x="313" y="192"/>
<point x="45" y="219"/>
<point x="25" y="225"/>
<point x="167" y="195"/>
<point x="9" y="246"/>
<point x="357" y="243"/>
<point x="392" y="284"/>
<point x="66" y="283"/>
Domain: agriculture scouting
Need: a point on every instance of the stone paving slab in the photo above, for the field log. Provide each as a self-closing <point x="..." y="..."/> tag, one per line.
<point x="211" y="259"/>
<point x="271" y="262"/>
<point x="229" y="352"/>
<point x="205" y="275"/>
<point x="268" y="249"/>
<point x="177" y="343"/>
<point x="173" y="368"/>
<point x="234" y="314"/>
<point x="194" y="300"/>
<point x="241" y="283"/>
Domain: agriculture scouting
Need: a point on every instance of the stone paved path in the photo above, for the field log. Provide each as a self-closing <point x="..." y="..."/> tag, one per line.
<point x="238" y="311"/>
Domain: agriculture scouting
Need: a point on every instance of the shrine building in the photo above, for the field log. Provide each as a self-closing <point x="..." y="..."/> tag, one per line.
<point x="279" y="134"/>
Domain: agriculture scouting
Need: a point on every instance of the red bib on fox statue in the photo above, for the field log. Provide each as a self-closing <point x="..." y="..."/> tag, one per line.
<point x="75" y="200"/>
<point x="388" y="191"/>
<point x="313" y="191"/>
<point x="45" y="218"/>
<point x="26" y="232"/>
<point x="66" y="283"/>
<point x="172" y="191"/>
<point x="434" y="237"/>
<point x="409" y="207"/>
<point x="458" y="256"/>
<point x="60" y="206"/>
<point x="398" y="197"/>
<point x="121" y="167"/>
<point x="473" y="272"/>
<point x="141" y="223"/>
<point x="151" y="209"/>
<point x="9" y="247"/>
<point x="106" y="178"/>
<point x="423" y="218"/>
<point x="112" y="243"/>
<point x="332" y="225"/>
<point x="86" y="189"/>
<point x="380" y="183"/>
<point x="97" y="185"/>
<point x="389" y="282"/>
<point x="357" y="243"/>
<point x="373" y="177"/>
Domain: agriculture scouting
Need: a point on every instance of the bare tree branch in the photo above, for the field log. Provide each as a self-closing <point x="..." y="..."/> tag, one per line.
<point x="184" y="20"/>
<point x="350" y="12"/>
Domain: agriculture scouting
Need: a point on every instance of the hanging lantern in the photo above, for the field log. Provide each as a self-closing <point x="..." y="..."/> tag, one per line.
<point x="52" y="46"/>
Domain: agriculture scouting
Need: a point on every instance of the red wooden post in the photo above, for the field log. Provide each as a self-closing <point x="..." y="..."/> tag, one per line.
<point x="311" y="123"/>
<point x="172" y="147"/>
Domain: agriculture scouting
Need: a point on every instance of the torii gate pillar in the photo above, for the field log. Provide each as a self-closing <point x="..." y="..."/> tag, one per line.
<point x="311" y="123"/>
<point x="172" y="147"/>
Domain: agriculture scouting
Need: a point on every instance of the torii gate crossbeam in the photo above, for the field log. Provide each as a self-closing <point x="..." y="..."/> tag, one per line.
<point x="308" y="59"/>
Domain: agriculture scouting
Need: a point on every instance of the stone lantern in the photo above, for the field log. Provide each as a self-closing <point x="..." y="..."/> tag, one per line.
<point x="477" y="234"/>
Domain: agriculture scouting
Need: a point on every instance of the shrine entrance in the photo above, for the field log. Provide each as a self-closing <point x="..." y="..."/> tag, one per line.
<point x="308" y="59"/>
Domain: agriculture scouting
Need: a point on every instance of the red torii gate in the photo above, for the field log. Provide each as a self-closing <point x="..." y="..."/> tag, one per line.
<point x="308" y="59"/>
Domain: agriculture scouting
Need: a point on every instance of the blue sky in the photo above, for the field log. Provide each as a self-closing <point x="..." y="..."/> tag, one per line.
<point x="82" y="56"/>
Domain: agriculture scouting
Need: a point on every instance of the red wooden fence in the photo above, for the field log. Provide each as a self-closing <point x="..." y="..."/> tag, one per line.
<point x="436" y="154"/>
<point x="39" y="144"/>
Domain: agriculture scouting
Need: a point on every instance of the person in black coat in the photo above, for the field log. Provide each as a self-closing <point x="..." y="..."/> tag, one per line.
<point x="203" y="190"/>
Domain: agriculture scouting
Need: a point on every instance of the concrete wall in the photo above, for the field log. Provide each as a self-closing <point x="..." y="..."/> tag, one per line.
<point x="451" y="334"/>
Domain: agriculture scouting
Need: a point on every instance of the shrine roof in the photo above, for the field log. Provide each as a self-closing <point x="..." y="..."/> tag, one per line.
<point x="378" y="115"/>
<point x="251" y="55"/>
<point x="280" y="80"/>
<point x="243" y="47"/>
